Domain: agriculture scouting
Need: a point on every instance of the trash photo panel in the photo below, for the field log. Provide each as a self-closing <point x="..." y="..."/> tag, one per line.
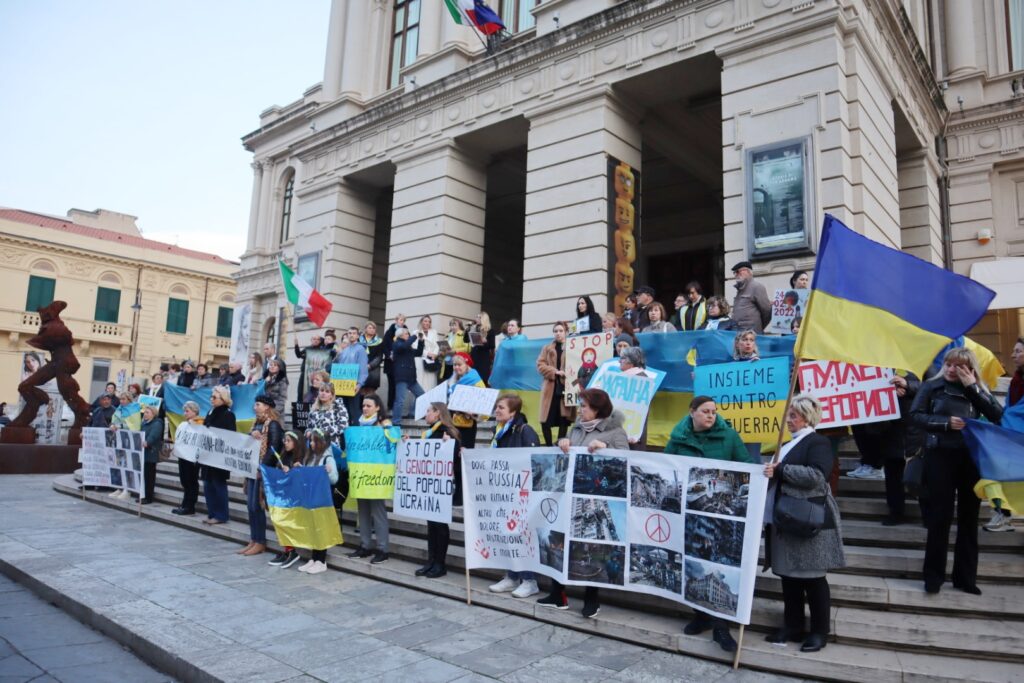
<point x="600" y="475"/>
<point x="722" y="492"/>
<point x="597" y="562"/>
<point x="712" y="587"/>
<point x="657" y="567"/>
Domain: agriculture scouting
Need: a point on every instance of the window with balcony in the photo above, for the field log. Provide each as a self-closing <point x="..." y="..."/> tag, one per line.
<point x="177" y="315"/>
<point x="224" y="315"/>
<point x="286" y="209"/>
<point x="516" y="14"/>
<point x="108" y="304"/>
<point x="40" y="292"/>
<point x="405" y="38"/>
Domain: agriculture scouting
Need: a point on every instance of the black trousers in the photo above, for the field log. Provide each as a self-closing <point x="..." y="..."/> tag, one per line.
<point x="885" y="451"/>
<point x="949" y="479"/>
<point x="320" y="555"/>
<point x="591" y="596"/>
<point x="188" y="475"/>
<point x="149" y="472"/>
<point x="438" y="536"/>
<point x="818" y="599"/>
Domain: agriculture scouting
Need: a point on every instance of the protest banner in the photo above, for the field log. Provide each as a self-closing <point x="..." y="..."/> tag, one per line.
<point x="370" y="452"/>
<point x="425" y="479"/>
<point x="300" y="415"/>
<point x="787" y="305"/>
<point x="344" y="377"/>
<point x="850" y="394"/>
<point x="438" y="394"/>
<point x="687" y="529"/>
<point x="473" y="400"/>
<point x="147" y="400"/>
<point x="220" y="448"/>
<point x="112" y="458"/>
<point x="583" y="354"/>
<point x="751" y="395"/>
<point x="630" y="394"/>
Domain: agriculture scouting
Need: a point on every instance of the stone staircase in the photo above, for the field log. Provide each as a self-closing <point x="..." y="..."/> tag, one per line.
<point x="884" y="626"/>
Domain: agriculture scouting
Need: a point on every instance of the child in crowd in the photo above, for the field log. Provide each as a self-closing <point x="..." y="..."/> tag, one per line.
<point x="292" y="454"/>
<point x="319" y="455"/>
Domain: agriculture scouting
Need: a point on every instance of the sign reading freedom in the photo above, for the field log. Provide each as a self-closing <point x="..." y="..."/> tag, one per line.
<point x="682" y="528"/>
<point x="750" y="395"/>
<point x="370" y="452"/>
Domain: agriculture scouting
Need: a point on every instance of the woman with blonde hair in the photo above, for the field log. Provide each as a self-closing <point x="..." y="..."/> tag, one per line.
<point x="744" y="346"/>
<point x="426" y="364"/>
<point x="254" y="373"/>
<point x="188" y="471"/>
<point x="941" y="408"/>
<point x="215" y="480"/>
<point x="482" y="338"/>
<point x="328" y="414"/>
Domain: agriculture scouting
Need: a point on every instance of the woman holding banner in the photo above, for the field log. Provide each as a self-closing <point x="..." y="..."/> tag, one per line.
<point x="512" y="431"/>
<point x="188" y="472"/>
<point x="704" y="434"/>
<point x="551" y="366"/>
<point x="598" y="426"/>
<point x="464" y="374"/>
<point x="270" y="433"/>
<point x="374" y="356"/>
<point x="802" y="472"/>
<point x="438" y="533"/>
<point x="373" y="513"/>
<point x="215" y="480"/>
<point x="328" y="414"/>
<point x="744" y="346"/>
<point x="276" y="384"/>
<point x="152" y="442"/>
<point x="203" y="377"/>
<point x="319" y="455"/>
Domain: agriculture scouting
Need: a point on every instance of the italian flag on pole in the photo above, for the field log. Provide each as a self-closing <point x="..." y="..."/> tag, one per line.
<point x="475" y="13"/>
<point x="302" y="295"/>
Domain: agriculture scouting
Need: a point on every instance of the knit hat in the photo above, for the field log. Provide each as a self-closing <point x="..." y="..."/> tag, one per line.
<point x="465" y="356"/>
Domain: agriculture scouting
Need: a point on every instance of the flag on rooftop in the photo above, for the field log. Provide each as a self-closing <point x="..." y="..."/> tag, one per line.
<point x="874" y="305"/>
<point x="475" y="13"/>
<point x="302" y="295"/>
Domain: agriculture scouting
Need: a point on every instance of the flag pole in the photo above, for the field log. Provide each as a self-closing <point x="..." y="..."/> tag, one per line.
<point x="797" y="353"/>
<point x="469" y="597"/>
<point x="474" y="28"/>
<point x="739" y="648"/>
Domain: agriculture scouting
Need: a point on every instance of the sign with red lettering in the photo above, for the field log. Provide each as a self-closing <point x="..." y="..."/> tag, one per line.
<point x="583" y="356"/>
<point x="425" y="479"/>
<point x="850" y="394"/>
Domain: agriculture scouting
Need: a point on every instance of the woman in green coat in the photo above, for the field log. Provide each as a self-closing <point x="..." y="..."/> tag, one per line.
<point x="704" y="434"/>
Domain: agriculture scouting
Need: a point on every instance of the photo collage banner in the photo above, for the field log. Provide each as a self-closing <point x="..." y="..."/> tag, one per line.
<point x="112" y="458"/>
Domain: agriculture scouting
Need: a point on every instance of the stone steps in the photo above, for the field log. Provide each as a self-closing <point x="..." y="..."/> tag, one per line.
<point x="871" y="643"/>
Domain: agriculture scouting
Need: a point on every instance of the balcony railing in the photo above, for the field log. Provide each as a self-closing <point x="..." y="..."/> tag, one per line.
<point x="27" y="323"/>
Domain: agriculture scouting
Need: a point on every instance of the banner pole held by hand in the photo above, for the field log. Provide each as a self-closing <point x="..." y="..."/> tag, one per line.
<point x="797" y="353"/>
<point x="739" y="648"/>
<point x="469" y="597"/>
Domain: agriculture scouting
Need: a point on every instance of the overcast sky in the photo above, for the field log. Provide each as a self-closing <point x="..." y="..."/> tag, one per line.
<point x="138" y="106"/>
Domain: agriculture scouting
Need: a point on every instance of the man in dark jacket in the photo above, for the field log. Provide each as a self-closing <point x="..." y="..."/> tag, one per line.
<point x="103" y="413"/>
<point x="752" y="309"/>
<point x="644" y="299"/>
<point x="235" y="375"/>
<point x="110" y="391"/>
<point x="403" y="369"/>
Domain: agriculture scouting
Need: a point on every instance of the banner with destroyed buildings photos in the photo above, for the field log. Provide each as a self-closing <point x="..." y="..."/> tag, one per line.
<point x="686" y="529"/>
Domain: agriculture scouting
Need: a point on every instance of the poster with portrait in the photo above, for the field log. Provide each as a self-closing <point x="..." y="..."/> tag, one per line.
<point x="241" y="327"/>
<point x="584" y="354"/>
<point x="787" y="306"/>
<point x="778" y="197"/>
<point x="682" y="528"/>
<point x="47" y="422"/>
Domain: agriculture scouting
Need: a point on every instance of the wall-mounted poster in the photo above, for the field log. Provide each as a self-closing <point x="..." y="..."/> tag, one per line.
<point x="780" y="195"/>
<point x="241" y="323"/>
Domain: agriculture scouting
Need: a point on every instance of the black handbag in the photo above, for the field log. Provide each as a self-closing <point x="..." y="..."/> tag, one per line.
<point x="913" y="475"/>
<point x="802" y="517"/>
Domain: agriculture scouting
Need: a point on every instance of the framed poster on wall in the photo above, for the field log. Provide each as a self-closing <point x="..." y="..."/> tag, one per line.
<point x="308" y="268"/>
<point x="780" y="198"/>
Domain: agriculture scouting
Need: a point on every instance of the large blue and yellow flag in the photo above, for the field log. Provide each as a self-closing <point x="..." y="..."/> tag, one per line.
<point x="999" y="455"/>
<point x="878" y="306"/>
<point x="243" y="398"/>
<point x="301" y="507"/>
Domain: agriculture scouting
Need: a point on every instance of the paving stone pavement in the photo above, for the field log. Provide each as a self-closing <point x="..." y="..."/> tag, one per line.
<point x="236" y="618"/>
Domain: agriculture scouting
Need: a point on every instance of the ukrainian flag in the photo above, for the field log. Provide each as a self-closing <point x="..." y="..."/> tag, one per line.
<point x="878" y="306"/>
<point x="999" y="455"/>
<point x="243" y="398"/>
<point x="301" y="507"/>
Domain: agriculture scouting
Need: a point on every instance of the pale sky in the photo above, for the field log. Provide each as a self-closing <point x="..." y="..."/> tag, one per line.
<point x="138" y="106"/>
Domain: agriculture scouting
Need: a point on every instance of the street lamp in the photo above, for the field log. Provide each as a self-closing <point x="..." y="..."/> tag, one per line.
<point x="136" y="307"/>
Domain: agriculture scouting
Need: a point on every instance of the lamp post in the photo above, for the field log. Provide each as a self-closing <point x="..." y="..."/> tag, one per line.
<point x="136" y="307"/>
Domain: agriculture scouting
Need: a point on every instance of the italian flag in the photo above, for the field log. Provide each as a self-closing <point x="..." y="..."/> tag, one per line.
<point x="475" y="13"/>
<point x="302" y="295"/>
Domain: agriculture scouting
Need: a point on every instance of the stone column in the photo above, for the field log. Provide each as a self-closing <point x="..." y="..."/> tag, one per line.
<point x="357" y="49"/>
<point x="335" y="50"/>
<point x="437" y="235"/>
<point x="567" y="233"/>
<point x="432" y="14"/>
<point x="254" y="206"/>
<point x="457" y="34"/>
<point x="920" y="208"/>
<point x="959" y="37"/>
<point x="265" y="228"/>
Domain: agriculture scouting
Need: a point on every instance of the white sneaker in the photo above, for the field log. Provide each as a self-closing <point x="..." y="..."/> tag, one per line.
<point x="873" y="473"/>
<point x="116" y="493"/>
<point x="125" y="494"/>
<point x="526" y="589"/>
<point x="1000" y="522"/>
<point x="306" y="567"/>
<point x="859" y="472"/>
<point x="317" y="568"/>
<point x="506" y="585"/>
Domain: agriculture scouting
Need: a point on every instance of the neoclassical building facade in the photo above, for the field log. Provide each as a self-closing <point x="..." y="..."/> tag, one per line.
<point x="607" y="144"/>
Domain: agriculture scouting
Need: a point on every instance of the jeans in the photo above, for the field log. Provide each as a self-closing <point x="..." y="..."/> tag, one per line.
<point x="216" y="491"/>
<point x="401" y="389"/>
<point x="257" y="517"/>
<point x="521" y="576"/>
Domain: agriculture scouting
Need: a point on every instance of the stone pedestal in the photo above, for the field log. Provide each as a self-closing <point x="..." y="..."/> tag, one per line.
<point x="18" y="435"/>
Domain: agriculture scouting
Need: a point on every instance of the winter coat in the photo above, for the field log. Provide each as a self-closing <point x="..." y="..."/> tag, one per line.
<point x="938" y="400"/>
<point x="723" y="323"/>
<point x="374" y="357"/>
<point x="220" y="417"/>
<point x="518" y="435"/>
<point x="691" y="316"/>
<point x="804" y="473"/>
<point x="187" y="380"/>
<point x="610" y="430"/>
<point x="403" y="367"/>
<point x="721" y="442"/>
<point x="205" y="381"/>
<point x="277" y="390"/>
<point x="102" y="417"/>
<point x="483" y="354"/>
<point x="331" y="422"/>
<point x="273" y="432"/>
<point x="660" y="326"/>
<point x="153" y="435"/>
<point x="546" y="367"/>
<point x="751" y="310"/>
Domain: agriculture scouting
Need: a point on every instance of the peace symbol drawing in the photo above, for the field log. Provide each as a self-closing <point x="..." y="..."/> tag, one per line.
<point x="549" y="509"/>
<point x="657" y="528"/>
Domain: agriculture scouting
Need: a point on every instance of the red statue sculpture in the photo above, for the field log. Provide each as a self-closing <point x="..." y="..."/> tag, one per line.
<point x="55" y="337"/>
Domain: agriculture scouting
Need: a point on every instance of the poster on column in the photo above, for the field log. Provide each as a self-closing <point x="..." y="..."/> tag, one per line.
<point x="750" y="395"/>
<point x="241" y="324"/>
<point x="631" y="394"/>
<point x="686" y="529"/>
<point x="112" y="458"/>
<point x="583" y="355"/>
<point x="788" y="305"/>
<point x="425" y="479"/>
<point x="850" y="394"/>
<point x="371" y="461"/>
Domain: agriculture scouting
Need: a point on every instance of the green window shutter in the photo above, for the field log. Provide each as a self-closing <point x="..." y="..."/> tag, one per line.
<point x="177" y="316"/>
<point x="108" y="304"/>
<point x="40" y="292"/>
<point x="224" y="315"/>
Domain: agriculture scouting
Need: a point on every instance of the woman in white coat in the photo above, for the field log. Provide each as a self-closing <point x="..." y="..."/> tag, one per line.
<point x="427" y="364"/>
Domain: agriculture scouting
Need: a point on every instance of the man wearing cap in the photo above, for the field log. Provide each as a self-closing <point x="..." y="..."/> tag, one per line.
<point x="752" y="309"/>
<point x="644" y="299"/>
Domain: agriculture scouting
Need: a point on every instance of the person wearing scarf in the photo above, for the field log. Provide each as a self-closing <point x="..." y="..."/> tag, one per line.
<point x="438" y="534"/>
<point x="551" y="366"/>
<point x="374" y="357"/>
<point x="373" y="513"/>
<point x="464" y="374"/>
<point x="512" y="431"/>
<point x="187" y="376"/>
<point x="270" y="433"/>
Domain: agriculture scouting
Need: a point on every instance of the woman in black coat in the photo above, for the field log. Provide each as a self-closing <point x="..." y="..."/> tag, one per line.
<point x="941" y="408"/>
<point x="403" y="371"/>
<point x="585" y="309"/>
<point x="215" y="480"/>
<point x="188" y="375"/>
<point x="438" y="533"/>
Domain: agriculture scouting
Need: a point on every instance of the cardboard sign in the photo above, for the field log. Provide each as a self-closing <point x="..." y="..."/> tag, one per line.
<point x="425" y="479"/>
<point x="583" y="355"/>
<point x="630" y="394"/>
<point x="473" y="400"/>
<point x="438" y="394"/>
<point x="345" y="377"/>
<point x="750" y="395"/>
<point x="850" y="394"/>
<point x="787" y="305"/>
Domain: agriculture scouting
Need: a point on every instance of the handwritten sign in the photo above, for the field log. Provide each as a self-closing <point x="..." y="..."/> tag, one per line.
<point x="220" y="448"/>
<point x="787" y="305"/>
<point x="300" y="415"/>
<point x="425" y="479"/>
<point x="438" y="394"/>
<point x="473" y="400"/>
<point x="147" y="400"/>
<point x="750" y="395"/>
<point x="850" y="394"/>
<point x="583" y="355"/>
<point x="344" y="377"/>
<point x="371" y="452"/>
<point x="630" y="394"/>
